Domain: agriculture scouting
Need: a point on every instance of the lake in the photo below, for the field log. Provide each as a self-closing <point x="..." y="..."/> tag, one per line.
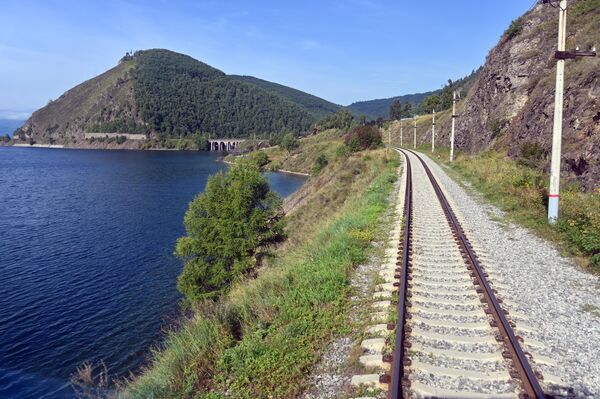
<point x="87" y="271"/>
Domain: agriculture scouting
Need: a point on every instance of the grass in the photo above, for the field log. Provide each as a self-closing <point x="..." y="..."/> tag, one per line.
<point x="262" y="338"/>
<point x="521" y="191"/>
<point x="323" y="146"/>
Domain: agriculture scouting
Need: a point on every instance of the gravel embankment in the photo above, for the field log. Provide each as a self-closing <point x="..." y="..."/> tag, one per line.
<point x="555" y="305"/>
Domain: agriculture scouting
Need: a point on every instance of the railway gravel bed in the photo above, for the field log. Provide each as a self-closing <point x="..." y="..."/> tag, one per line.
<point x="448" y="356"/>
<point x="555" y="305"/>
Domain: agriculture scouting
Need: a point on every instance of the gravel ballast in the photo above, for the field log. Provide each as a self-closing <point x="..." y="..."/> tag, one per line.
<point x="556" y="304"/>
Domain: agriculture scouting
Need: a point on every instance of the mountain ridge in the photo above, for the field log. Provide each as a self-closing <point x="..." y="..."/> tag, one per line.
<point x="164" y="95"/>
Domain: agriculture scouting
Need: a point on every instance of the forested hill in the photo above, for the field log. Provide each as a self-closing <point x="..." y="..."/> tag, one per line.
<point x="164" y="94"/>
<point x="379" y="108"/>
<point x="418" y="103"/>
<point x="317" y="106"/>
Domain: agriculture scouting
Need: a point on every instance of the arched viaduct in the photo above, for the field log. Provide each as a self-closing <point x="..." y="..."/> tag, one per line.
<point x="224" y="144"/>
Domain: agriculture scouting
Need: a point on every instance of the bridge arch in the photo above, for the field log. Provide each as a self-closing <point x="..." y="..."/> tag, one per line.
<point x="224" y="144"/>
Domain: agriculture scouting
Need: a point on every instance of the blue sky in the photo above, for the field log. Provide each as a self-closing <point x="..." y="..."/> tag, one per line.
<point x="343" y="50"/>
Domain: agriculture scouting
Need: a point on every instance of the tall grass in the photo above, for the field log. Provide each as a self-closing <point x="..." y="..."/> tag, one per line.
<point x="261" y="339"/>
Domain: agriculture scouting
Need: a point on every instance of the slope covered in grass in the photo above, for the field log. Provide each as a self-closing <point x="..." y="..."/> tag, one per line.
<point x="261" y="339"/>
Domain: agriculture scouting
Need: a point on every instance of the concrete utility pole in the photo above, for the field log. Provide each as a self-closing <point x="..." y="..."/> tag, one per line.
<point x="400" y="131"/>
<point x="453" y="118"/>
<point x="558" y="109"/>
<point x="561" y="55"/>
<point x="558" y="115"/>
<point x="415" y="133"/>
<point x="433" y="133"/>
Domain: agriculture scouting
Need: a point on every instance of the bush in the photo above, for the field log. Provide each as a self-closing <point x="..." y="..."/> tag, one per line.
<point x="259" y="158"/>
<point x="319" y="164"/>
<point x="342" y="151"/>
<point x="363" y="137"/>
<point x="515" y="28"/>
<point x="121" y="139"/>
<point x="225" y="225"/>
<point x="579" y="223"/>
<point x="289" y="142"/>
<point x="532" y="154"/>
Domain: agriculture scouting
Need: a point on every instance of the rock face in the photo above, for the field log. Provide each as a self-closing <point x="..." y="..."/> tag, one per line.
<point x="511" y="105"/>
<point x="65" y="120"/>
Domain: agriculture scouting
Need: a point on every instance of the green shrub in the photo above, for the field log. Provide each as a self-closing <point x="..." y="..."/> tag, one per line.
<point x="579" y="222"/>
<point x="259" y="158"/>
<point x="319" y="164"/>
<point x="121" y="139"/>
<point x="226" y="224"/>
<point x="515" y="28"/>
<point x="532" y="154"/>
<point x="363" y="137"/>
<point x="289" y="142"/>
<point x="342" y="151"/>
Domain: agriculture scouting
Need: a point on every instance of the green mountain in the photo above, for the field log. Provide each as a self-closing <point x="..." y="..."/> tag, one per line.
<point x="163" y="94"/>
<point x="316" y="106"/>
<point x="380" y="108"/>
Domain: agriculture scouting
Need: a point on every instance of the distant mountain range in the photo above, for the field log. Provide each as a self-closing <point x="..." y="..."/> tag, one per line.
<point x="379" y="108"/>
<point x="163" y="95"/>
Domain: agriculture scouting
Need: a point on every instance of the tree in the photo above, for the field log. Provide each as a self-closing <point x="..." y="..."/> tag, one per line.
<point x="289" y="142"/>
<point x="362" y="138"/>
<point x="407" y="111"/>
<point x="226" y="225"/>
<point x="342" y="119"/>
<point x="430" y="103"/>
<point x="395" y="110"/>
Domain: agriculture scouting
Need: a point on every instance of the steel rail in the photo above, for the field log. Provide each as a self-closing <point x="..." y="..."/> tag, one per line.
<point x="397" y="369"/>
<point x="526" y="374"/>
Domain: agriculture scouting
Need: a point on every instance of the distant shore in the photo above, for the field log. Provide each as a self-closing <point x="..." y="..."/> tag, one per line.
<point x="39" y="145"/>
<point x="69" y="147"/>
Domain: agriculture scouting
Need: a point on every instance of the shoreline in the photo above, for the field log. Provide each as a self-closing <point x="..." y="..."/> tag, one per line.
<point x="278" y="170"/>
<point x="67" y="147"/>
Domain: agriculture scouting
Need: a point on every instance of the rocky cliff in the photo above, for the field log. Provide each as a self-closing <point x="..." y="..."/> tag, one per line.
<point x="511" y="105"/>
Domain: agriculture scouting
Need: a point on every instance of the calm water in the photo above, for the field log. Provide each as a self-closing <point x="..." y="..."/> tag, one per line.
<point x="86" y="264"/>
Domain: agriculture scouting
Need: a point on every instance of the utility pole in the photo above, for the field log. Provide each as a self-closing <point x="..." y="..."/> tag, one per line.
<point x="561" y="55"/>
<point x="389" y="139"/>
<point x="558" y="114"/>
<point x="415" y="133"/>
<point x="400" y="131"/>
<point x="433" y="132"/>
<point x="453" y="118"/>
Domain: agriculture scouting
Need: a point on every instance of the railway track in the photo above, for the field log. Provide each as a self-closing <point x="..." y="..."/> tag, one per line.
<point x="453" y="338"/>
